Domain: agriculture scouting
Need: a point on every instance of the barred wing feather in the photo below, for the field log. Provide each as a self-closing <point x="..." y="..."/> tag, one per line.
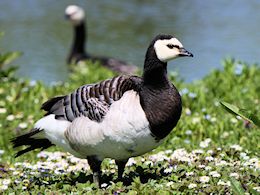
<point x="92" y="100"/>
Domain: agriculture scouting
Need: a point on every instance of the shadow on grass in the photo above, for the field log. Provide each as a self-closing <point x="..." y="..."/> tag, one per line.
<point x="145" y="174"/>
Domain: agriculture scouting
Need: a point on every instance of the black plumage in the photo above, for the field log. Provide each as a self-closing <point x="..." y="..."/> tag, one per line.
<point x="28" y="140"/>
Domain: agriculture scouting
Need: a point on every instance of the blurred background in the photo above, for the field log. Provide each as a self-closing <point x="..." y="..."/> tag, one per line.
<point x="211" y="30"/>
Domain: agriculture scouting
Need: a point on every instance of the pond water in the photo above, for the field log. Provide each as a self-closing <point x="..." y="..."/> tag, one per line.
<point x="211" y="30"/>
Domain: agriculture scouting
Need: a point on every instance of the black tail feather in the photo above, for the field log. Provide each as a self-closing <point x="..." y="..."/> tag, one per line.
<point x="40" y="143"/>
<point x="54" y="106"/>
<point x="28" y="140"/>
<point x="24" y="139"/>
<point x="50" y="103"/>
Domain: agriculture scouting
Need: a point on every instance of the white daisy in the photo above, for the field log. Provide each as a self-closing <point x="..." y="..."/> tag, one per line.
<point x="214" y="174"/>
<point x="192" y="185"/>
<point x="204" y="179"/>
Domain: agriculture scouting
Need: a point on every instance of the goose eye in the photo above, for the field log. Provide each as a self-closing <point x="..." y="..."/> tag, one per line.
<point x="172" y="46"/>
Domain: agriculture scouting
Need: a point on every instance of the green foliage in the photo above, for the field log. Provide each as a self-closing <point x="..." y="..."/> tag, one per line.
<point x="7" y="57"/>
<point x="245" y="114"/>
<point x="83" y="74"/>
<point x="217" y="144"/>
<point x="236" y="187"/>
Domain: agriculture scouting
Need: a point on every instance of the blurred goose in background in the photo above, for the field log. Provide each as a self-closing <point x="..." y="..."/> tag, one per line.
<point x="76" y="15"/>
<point x="118" y="118"/>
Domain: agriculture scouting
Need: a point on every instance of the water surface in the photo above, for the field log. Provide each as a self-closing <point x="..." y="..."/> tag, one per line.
<point x="211" y="30"/>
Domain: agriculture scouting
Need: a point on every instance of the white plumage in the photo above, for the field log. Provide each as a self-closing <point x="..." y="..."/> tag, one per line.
<point x="76" y="13"/>
<point x="162" y="49"/>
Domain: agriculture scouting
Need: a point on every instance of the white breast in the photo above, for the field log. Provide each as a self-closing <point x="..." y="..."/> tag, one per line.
<point x="123" y="133"/>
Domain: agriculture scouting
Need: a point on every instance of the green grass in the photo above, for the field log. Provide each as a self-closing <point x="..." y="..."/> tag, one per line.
<point x="210" y="150"/>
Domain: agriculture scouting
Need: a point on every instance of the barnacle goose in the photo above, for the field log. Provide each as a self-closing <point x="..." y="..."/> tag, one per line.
<point x="76" y="15"/>
<point x="118" y="118"/>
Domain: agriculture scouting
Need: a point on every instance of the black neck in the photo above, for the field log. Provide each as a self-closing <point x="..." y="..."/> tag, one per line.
<point x="79" y="38"/>
<point x="155" y="71"/>
<point x="159" y="99"/>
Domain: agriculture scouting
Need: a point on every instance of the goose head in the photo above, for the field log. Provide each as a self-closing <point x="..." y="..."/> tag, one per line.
<point x="75" y="14"/>
<point x="167" y="47"/>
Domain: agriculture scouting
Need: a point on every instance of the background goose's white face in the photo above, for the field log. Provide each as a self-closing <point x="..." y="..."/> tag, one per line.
<point x="168" y="49"/>
<point x="75" y="14"/>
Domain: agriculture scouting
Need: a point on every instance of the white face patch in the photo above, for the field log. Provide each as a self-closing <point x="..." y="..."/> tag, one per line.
<point x="76" y="14"/>
<point x="163" y="52"/>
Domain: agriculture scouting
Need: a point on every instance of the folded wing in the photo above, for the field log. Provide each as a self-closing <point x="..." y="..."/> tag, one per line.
<point x="93" y="100"/>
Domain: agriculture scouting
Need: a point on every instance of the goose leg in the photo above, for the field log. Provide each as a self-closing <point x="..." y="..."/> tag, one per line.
<point x="121" y="166"/>
<point x="95" y="165"/>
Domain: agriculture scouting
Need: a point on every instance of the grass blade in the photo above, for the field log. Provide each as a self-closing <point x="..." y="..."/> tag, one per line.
<point x="245" y="114"/>
<point x="236" y="187"/>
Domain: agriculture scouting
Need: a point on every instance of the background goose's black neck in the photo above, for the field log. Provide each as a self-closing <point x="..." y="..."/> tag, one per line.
<point x="79" y="39"/>
<point x="155" y="71"/>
